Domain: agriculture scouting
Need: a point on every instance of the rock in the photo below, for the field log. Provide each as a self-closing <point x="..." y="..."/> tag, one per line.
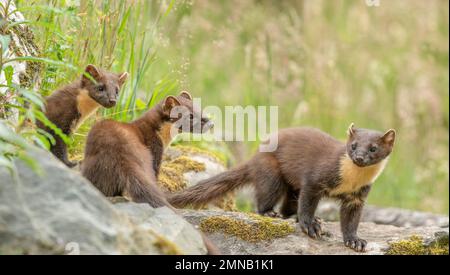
<point x="380" y="237"/>
<point x="60" y="212"/>
<point x="329" y="210"/>
<point x="165" y="223"/>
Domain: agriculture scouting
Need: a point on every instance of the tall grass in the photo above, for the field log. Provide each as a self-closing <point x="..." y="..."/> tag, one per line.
<point x="115" y="35"/>
<point x="327" y="64"/>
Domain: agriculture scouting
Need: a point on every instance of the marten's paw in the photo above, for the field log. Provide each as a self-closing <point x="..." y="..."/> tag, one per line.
<point x="272" y="214"/>
<point x="312" y="228"/>
<point x="355" y="243"/>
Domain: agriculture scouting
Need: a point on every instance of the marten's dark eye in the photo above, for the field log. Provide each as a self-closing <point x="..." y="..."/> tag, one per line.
<point x="354" y="146"/>
<point x="101" y="88"/>
<point x="373" y="149"/>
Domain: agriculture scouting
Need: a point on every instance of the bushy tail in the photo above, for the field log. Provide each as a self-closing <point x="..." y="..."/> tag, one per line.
<point x="207" y="190"/>
<point x="142" y="190"/>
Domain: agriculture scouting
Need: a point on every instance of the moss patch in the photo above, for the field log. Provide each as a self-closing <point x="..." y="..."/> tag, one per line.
<point x="171" y="173"/>
<point x="195" y="150"/>
<point x="258" y="228"/>
<point x="171" y="178"/>
<point x="166" y="247"/>
<point x="415" y="246"/>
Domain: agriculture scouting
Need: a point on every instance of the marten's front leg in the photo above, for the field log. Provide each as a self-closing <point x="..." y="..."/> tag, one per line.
<point x="308" y="200"/>
<point x="60" y="151"/>
<point x="351" y="210"/>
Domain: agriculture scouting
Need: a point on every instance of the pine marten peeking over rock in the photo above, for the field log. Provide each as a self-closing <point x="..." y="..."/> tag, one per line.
<point x="123" y="159"/>
<point x="307" y="165"/>
<point x="69" y="106"/>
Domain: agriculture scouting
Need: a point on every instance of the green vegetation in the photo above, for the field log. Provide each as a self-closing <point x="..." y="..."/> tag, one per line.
<point x="415" y="246"/>
<point x="259" y="228"/>
<point x="325" y="63"/>
<point x="171" y="174"/>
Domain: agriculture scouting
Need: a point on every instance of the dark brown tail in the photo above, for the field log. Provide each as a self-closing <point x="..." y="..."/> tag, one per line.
<point x="143" y="191"/>
<point x="207" y="190"/>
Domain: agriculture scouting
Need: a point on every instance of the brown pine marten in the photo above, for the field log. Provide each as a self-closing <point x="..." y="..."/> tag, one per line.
<point x="123" y="159"/>
<point x="307" y="165"/>
<point x="69" y="106"/>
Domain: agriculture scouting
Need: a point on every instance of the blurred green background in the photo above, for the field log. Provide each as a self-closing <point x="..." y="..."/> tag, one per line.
<point x="324" y="63"/>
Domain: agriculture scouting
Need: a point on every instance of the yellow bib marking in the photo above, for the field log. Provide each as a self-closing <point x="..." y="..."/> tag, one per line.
<point x="86" y="106"/>
<point x="354" y="177"/>
<point x="164" y="134"/>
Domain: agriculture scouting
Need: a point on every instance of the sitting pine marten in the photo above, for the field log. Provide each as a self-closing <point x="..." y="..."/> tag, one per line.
<point x="307" y="165"/>
<point x="69" y="106"/>
<point x="123" y="159"/>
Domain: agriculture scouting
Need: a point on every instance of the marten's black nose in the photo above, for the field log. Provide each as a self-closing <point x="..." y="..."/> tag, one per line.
<point x="359" y="159"/>
<point x="112" y="101"/>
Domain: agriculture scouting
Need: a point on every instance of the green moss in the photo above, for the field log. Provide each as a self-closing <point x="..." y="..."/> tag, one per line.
<point x="172" y="178"/>
<point x="171" y="173"/>
<point x="195" y="150"/>
<point x="185" y="164"/>
<point x="414" y="245"/>
<point x="259" y="228"/>
<point x="166" y="247"/>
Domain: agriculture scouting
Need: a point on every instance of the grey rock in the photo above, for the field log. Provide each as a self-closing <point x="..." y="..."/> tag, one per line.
<point x="329" y="210"/>
<point x="379" y="237"/>
<point x="165" y="222"/>
<point x="60" y="212"/>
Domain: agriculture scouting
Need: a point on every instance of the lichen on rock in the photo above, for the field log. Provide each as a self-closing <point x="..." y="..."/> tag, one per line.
<point x="259" y="229"/>
<point x="171" y="174"/>
<point x="415" y="245"/>
<point x="189" y="150"/>
<point x="166" y="247"/>
<point x="184" y="166"/>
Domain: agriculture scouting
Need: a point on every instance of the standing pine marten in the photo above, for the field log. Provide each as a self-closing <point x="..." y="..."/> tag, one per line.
<point x="123" y="159"/>
<point x="69" y="106"/>
<point x="307" y="165"/>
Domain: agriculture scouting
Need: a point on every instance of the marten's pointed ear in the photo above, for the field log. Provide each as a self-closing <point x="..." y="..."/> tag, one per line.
<point x="169" y="103"/>
<point x="186" y="95"/>
<point x="389" y="137"/>
<point x="123" y="77"/>
<point x="351" y="130"/>
<point x="92" y="71"/>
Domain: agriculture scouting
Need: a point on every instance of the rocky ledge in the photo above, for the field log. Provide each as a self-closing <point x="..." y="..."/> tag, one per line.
<point x="247" y="234"/>
<point x="60" y="212"/>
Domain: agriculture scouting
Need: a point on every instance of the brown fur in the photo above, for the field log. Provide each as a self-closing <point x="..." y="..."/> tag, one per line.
<point x="307" y="165"/>
<point x="69" y="106"/>
<point x="123" y="159"/>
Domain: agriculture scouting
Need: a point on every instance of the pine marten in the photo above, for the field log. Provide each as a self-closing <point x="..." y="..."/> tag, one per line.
<point x="307" y="165"/>
<point x="123" y="159"/>
<point x="69" y="106"/>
